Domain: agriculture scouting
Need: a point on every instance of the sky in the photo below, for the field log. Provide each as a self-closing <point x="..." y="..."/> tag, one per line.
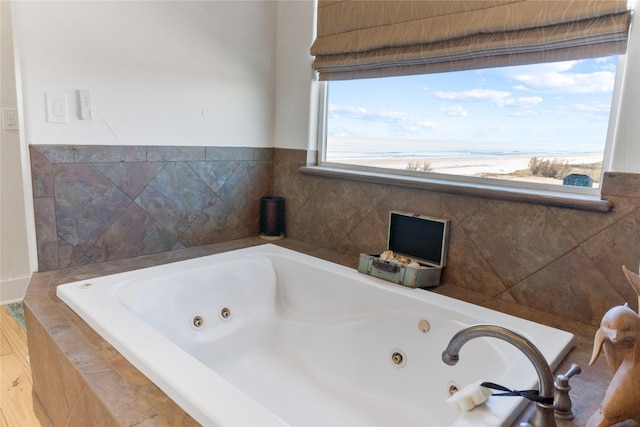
<point x="554" y="107"/>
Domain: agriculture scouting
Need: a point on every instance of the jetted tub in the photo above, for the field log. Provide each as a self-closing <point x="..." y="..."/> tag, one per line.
<point x="268" y="336"/>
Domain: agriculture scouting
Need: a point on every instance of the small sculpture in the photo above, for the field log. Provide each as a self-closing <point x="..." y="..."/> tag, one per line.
<point x="619" y="336"/>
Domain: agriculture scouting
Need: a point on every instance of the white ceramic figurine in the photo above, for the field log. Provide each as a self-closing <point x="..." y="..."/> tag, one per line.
<point x="619" y="336"/>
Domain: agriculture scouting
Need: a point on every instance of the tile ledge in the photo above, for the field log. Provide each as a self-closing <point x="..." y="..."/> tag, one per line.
<point x="548" y="198"/>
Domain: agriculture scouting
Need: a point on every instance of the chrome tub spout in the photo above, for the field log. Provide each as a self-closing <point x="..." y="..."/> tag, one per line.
<point x="544" y="415"/>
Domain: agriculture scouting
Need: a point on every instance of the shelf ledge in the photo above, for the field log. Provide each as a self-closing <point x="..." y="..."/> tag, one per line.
<point x="542" y="197"/>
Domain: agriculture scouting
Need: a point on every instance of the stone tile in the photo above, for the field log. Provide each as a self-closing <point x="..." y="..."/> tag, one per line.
<point x="377" y="194"/>
<point x="129" y="372"/>
<point x="130" y="177"/>
<point x="40" y="413"/>
<point x="177" y="246"/>
<point x="175" y="197"/>
<point x="215" y="223"/>
<point x="38" y="285"/>
<point x="263" y="154"/>
<point x="614" y="247"/>
<point x="90" y="412"/>
<point x="215" y="174"/>
<point x="408" y="200"/>
<point x="335" y="209"/>
<point x="244" y="188"/>
<point x="166" y="408"/>
<point x="86" y="204"/>
<point x="56" y="153"/>
<point x="368" y="236"/>
<point x="109" y="153"/>
<point x="229" y="153"/>
<point x="621" y="184"/>
<point x="101" y="347"/>
<point x="55" y="381"/>
<point x="156" y="421"/>
<point x="69" y="256"/>
<point x="462" y="207"/>
<point x="467" y="268"/>
<point x="572" y="287"/>
<point x="507" y="297"/>
<point x="289" y="155"/>
<point x="175" y="154"/>
<point x="348" y="260"/>
<point x="41" y="174"/>
<point x="78" y="350"/>
<point x="46" y="233"/>
<point x="127" y="406"/>
<point x="517" y="239"/>
<point x="583" y="224"/>
<point x="295" y="187"/>
<point x="47" y="313"/>
<point x="134" y="233"/>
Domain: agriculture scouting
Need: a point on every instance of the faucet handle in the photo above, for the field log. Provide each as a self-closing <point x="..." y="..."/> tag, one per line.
<point x="562" y="400"/>
<point x="563" y="379"/>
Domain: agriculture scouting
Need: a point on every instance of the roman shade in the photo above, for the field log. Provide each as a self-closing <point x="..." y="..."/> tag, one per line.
<point x="361" y="39"/>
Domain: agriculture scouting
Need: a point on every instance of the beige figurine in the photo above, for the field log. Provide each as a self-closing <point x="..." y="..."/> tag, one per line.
<point x="619" y="336"/>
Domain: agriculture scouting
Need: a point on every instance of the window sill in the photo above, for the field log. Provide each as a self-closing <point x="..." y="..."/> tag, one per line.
<point x="548" y="198"/>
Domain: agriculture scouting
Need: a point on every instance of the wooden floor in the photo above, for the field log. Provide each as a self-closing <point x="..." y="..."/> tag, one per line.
<point x="16" y="409"/>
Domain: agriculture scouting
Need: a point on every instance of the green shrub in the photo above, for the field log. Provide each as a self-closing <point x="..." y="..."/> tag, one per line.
<point x="548" y="168"/>
<point x="417" y="166"/>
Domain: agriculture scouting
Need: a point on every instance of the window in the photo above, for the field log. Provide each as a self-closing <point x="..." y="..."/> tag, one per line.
<point x="541" y="126"/>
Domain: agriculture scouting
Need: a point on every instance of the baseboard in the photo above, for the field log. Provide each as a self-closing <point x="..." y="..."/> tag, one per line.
<point x="13" y="290"/>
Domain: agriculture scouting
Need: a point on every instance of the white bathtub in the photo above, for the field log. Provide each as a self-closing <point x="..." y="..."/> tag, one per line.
<point x="268" y="336"/>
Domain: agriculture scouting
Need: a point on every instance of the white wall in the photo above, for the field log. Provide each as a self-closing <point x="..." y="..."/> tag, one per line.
<point x="14" y="255"/>
<point x="297" y="90"/>
<point x="159" y="73"/>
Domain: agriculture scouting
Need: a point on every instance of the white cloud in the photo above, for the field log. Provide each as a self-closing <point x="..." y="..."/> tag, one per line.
<point x="337" y="111"/>
<point x="392" y="116"/>
<point x="593" y="108"/>
<point x="473" y="95"/>
<point x="559" y="78"/>
<point x="496" y="97"/>
<point x="400" y="123"/>
<point x="548" y="67"/>
<point x="455" y="110"/>
<point x="599" y="81"/>
<point x="521" y="101"/>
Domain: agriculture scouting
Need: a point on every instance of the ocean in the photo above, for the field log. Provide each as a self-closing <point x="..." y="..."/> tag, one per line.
<point x="361" y="148"/>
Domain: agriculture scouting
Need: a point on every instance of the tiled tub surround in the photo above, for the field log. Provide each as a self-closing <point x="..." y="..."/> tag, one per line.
<point x="97" y="203"/>
<point x="101" y="203"/>
<point x="79" y="379"/>
<point x="557" y="260"/>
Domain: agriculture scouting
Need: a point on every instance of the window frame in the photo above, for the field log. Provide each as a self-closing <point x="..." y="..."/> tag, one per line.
<point x="456" y="181"/>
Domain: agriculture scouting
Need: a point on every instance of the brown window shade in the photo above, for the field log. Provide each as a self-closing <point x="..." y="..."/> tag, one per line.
<point x="360" y="39"/>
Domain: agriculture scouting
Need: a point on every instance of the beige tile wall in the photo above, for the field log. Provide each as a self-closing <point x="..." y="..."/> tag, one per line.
<point x="562" y="261"/>
<point x="559" y="260"/>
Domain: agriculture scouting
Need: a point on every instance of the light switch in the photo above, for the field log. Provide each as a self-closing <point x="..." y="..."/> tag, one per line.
<point x="56" y="108"/>
<point x="9" y="119"/>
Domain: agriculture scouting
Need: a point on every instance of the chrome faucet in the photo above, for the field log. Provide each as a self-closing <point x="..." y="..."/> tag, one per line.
<point x="543" y="415"/>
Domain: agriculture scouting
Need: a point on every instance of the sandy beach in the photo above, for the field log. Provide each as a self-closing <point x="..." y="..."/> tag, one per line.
<point x="470" y="166"/>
